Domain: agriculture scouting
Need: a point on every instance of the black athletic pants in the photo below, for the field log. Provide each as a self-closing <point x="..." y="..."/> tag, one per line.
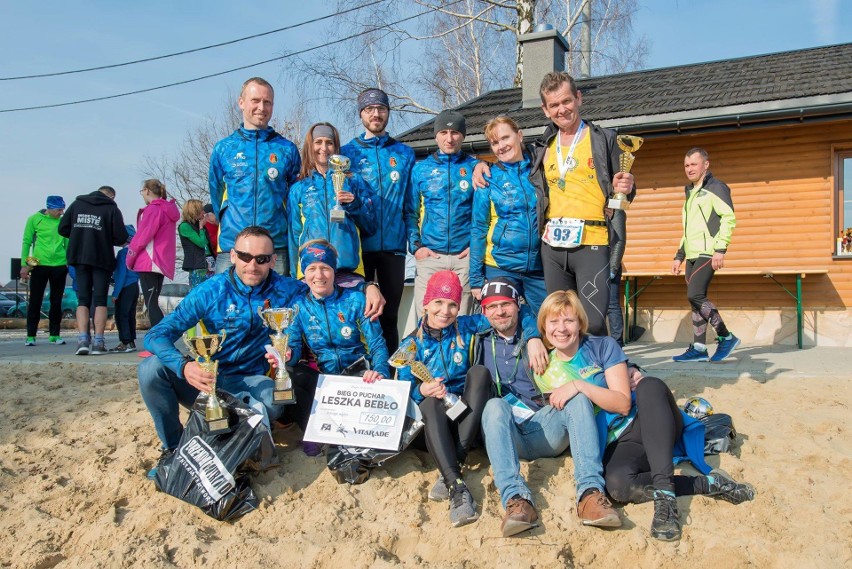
<point x="304" y="380"/>
<point x="699" y="272"/>
<point x="152" y="284"/>
<point x="584" y="270"/>
<point x="388" y="269"/>
<point x="448" y="441"/>
<point x="642" y="455"/>
<point x="40" y="276"/>
<point x="125" y="313"/>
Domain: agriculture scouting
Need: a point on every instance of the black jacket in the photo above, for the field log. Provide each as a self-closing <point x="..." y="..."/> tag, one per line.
<point x="606" y="155"/>
<point x="93" y="225"/>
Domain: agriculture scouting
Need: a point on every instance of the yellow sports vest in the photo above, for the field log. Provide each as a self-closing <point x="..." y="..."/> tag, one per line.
<point x="578" y="195"/>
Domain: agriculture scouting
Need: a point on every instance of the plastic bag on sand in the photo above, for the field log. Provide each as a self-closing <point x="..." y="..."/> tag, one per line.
<point x="210" y="471"/>
<point x="719" y="433"/>
<point x="353" y="464"/>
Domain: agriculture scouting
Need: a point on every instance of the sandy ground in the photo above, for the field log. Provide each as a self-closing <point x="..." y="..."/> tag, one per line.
<point x="76" y="441"/>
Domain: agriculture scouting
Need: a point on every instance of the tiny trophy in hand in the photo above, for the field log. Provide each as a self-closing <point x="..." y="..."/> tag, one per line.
<point x="279" y="319"/>
<point x="628" y="144"/>
<point x="203" y="348"/>
<point x="404" y="357"/>
<point x="340" y="164"/>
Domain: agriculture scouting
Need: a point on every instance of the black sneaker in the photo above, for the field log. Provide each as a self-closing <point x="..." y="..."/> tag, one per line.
<point x="666" y="523"/>
<point x="462" y="505"/>
<point x="164" y="454"/>
<point x="726" y="488"/>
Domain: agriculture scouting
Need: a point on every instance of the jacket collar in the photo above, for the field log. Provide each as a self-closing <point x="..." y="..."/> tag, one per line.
<point x="253" y="134"/>
<point x="440" y="157"/>
<point x="383" y="140"/>
<point x="245" y="289"/>
<point x="707" y="177"/>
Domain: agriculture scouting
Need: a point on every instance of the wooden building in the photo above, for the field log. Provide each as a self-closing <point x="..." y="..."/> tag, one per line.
<point x="778" y="129"/>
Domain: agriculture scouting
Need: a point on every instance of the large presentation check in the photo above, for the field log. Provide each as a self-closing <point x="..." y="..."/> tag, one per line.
<point x="349" y="412"/>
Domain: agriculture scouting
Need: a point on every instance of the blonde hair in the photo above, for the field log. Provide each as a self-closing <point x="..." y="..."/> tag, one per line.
<point x="557" y="303"/>
<point x="192" y="211"/>
<point x="495" y="122"/>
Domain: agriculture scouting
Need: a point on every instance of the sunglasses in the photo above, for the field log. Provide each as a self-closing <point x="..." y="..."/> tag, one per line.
<point x="259" y="259"/>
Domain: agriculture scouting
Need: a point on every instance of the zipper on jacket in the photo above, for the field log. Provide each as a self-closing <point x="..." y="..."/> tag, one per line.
<point x="379" y="196"/>
<point x="449" y="200"/>
<point x="526" y="215"/>
<point x="256" y="178"/>
<point x="328" y="330"/>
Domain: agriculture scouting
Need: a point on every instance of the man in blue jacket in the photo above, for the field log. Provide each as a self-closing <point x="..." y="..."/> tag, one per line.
<point x="250" y="176"/>
<point x="229" y="302"/>
<point x="385" y="165"/>
<point x="442" y="201"/>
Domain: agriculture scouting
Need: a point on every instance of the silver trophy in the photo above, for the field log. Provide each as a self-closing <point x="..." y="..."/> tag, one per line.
<point x="279" y="319"/>
<point x="404" y="357"/>
<point x="340" y="164"/>
<point x="202" y="349"/>
<point x="628" y="144"/>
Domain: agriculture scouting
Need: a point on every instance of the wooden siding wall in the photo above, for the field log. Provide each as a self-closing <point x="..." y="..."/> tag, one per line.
<point x="782" y="185"/>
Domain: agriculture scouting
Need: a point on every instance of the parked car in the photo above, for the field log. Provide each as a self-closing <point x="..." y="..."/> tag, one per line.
<point x="170" y="296"/>
<point x="69" y="305"/>
<point x="7" y="302"/>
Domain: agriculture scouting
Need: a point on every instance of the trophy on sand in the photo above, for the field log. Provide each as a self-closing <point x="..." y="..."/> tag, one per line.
<point x="404" y="357"/>
<point x="628" y="145"/>
<point x="340" y="164"/>
<point x="202" y="349"/>
<point x="279" y="319"/>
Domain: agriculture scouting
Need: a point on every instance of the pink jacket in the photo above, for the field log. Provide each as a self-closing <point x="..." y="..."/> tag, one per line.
<point x="153" y="248"/>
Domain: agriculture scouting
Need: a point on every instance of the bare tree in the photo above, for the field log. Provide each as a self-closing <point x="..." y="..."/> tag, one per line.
<point x="455" y="50"/>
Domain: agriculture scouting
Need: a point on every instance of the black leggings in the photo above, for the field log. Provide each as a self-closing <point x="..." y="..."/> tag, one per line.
<point x="642" y="455"/>
<point x="448" y="441"/>
<point x="40" y="276"/>
<point x="304" y="387"/>
<point x="584" y="270"/>
<point x="699" y="272"/>
<point x="152" y="284"/>
<point x="388" y="270"/>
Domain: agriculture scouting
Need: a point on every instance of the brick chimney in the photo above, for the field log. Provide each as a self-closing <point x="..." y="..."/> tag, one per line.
<point x="544" y="51"/>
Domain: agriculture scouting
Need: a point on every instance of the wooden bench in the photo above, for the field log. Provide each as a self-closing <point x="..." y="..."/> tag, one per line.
<point x="765" y="273"/>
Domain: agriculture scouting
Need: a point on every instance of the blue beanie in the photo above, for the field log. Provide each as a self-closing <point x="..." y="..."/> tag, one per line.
<point x="370" y="97"/>
<point x="317" y="252"/>
<point x="55" y="202"/>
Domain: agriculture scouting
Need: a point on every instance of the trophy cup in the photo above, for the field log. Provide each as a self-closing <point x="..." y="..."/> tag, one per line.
<point x="278" y="319"/>
<point x="340" y="164"/>
<point x="202" y="349"/>
<point x="628" y="145"/>
<point x="404" y="357"/>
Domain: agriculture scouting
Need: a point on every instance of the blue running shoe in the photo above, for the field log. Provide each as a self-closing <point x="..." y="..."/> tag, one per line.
<point x="725" y="347"/>
<point x="692" y="355"/>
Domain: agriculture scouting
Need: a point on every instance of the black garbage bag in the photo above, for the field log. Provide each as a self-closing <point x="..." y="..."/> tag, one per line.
<point x="211" y="471"/>
<point x="353" y="464"/>
<point x="719" y="433"/>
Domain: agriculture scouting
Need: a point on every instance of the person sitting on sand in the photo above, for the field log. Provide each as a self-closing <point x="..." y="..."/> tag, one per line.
<point x="641" y="431"/>
<point x="228" y="301"/>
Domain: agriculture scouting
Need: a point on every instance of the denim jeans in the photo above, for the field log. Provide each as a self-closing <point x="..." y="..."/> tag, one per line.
<point x="545" y="434"/>
<point x="162" y="390"/>
<point x="282" y="262"/>
<point x="530" y="285"/>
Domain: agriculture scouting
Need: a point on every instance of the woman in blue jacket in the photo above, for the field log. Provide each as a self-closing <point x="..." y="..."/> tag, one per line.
<point x="504" y="238"/>
<point x="312" y="199"/>
<point x="642" y="432"/>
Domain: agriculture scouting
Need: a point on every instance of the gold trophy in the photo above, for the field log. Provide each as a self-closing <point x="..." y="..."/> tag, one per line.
<point x="32" y="262"/>
<point x="340" y="164"/>
<point x="202" y="349"/>
<point x="404" y="357"/>
<point x="279" y="319"/>
<point x="628" y="145"/>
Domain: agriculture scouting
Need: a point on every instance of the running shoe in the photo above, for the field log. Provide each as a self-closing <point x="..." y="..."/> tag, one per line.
<point x="57" y="340"/>
<point x="724" y="347"/>
<point x="439" y="491"/>
<point x="82" y="348"/>
<point x="30" y="341"/>
<point x="164" y="454"/>
<point x="666" y="523"/>
<point x="724" y="487"/>
<point x="98" y="349"/>
<point x="462" y="505"/>
<point x="123" y="348"/>
<point x="692" y="355"/>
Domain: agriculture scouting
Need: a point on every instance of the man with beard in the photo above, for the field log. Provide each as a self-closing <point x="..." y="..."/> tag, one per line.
<point x="385" y="165"/>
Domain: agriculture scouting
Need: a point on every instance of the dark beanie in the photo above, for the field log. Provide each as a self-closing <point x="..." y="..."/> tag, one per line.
<point x="450" y="120"/>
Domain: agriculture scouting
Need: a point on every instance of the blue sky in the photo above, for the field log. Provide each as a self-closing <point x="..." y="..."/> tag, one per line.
<point x="74" y="150"/>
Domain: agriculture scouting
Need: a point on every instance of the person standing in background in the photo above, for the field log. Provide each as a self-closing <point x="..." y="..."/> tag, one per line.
<point x="152" y="251"/>
<point x="125" y="297"/>
<point x="45" y="249"/>
<point x="197" y="256"/>
<point x="211" y="226"/>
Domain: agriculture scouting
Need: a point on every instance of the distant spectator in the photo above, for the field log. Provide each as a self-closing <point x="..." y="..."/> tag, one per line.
<point x="152" y="251"/>
<point x="125" y="293"/>
<point x="43" y="253"/>
<point x="197" y="256"/>
<point x="93" y="225"/>
<point x="211" y="226"/>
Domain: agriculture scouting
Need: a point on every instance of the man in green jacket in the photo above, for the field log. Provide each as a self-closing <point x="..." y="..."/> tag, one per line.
<point x="43" y="253"/>
<point x="708" y="223"/>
